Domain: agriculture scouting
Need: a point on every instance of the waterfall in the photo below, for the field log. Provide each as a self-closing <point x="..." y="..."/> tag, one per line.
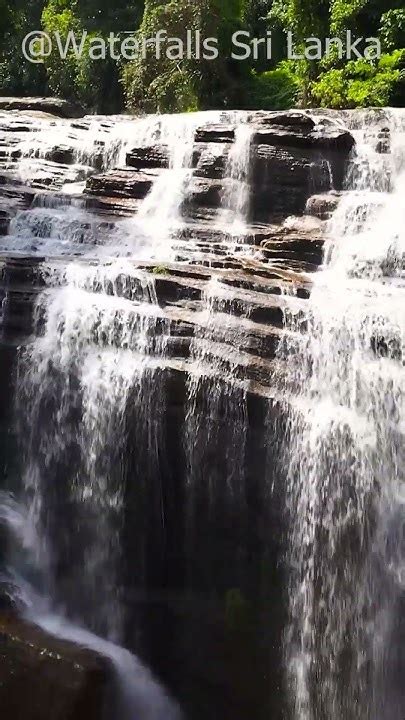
<point x="91" y="360"/>
<point x="76" y="379"/>
<point x="345" y="455"/>
<point x="136" y="694"/>
<point x="235" y="199"/>
<point x="95" y="361"/>
<point x="93" y="418"/>
<point x="215" y="428"/>
<point x="160" y="213"/>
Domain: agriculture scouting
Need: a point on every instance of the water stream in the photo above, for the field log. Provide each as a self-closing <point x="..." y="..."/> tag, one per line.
<point x="346" y="453"/>
<point x="235" y="200"/>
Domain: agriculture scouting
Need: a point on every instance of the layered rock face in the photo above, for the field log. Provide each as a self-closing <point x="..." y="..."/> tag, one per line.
<point x="216" y="223"/>
<point x="290" y="182"/>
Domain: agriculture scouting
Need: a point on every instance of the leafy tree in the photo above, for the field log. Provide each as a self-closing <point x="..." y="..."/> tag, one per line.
<point x="361" y="84"/>
<point x="163" y="83"/>
<point x="392" y="29"/>
<point x="94" y="83"/>
<point x="18" y="76"/>
<point x="274" y="89"/>
<point x="167" y="84"/>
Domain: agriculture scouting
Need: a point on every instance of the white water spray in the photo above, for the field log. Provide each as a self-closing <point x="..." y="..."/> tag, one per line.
<point x="235" y="200"/>
<point x="345" y="458"/>
<point x="136" y="693"/>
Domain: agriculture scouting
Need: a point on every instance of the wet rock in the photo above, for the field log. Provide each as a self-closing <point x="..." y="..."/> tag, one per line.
<point x="61" y="154"/>
<point x="299" y="240"/>
<point x="7" y="602"/>
<point x="53" y="106"/>
<point x="13" y="198"/>
<point x="330" y="138"/>
<point x="154" y="156"/>
<point x="290" y="119"/>
<point x="322" y="206"/>
<point x="215" y="134"/>
<point x="20" y="282"/>
<point x="124" y="183"/>
<point x="209" y="160"/>
<point x="283" y="179"/>
<point x="290" y="173"/>
<point x="203" y="192"/>
<point x="383" y="145"/>
<point x="313" y="142"/>
<point x="44" y="678"/>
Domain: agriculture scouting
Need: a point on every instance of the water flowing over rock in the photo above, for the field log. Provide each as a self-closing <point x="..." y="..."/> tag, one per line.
<point x="345" y="464"/>
<point x="43" y="678"/>
<point x="201" y="346"/>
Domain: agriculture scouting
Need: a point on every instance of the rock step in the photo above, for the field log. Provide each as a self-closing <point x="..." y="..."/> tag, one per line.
<point x="250" y="337"/>
<point x="123" y="182"/>
<point x="237" y="316"/>
<point x="149" y="157"/>
<point x="265" y="377"/>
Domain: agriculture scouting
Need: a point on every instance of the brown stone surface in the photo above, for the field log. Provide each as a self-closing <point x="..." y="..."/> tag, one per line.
<point x="120" y="183"/>
<point x="44" y="678"/>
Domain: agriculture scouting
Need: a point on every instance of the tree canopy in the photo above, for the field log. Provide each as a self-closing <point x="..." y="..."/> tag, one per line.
<point x="173" y="83"/>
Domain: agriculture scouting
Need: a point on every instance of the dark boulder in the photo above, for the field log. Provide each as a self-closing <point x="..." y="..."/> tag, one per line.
<point x="61" y="154"/>
<point x="329" y="138"/>
<point x="209" y="160"/>
<point x="203" y="192"/>
<point x="322" y="206"/>
<point x="313" y="142"/>
<point x="45" y="678"/>
<point x="290" y="119"/>
<point x="383" y="145"/>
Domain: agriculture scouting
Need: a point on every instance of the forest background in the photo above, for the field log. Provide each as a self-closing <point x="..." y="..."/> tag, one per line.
<point x="152" y="84"/>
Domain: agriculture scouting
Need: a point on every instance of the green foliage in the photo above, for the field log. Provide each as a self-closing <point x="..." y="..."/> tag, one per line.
<point x="343" y="14"/>
<point x="160" y="270"/>
<point x="363" y="84"/>
<point x="78" y="77"/>
<point x="182" y="83"/>
<point x="392" y="29"/>
<point x="273" y="90"/>
<point x="174" y="84"/>
<point x="153" y="83"/>
<point x="330" y="90"/>
<point x="17" y="76"/>
<point x="304" y="18"/>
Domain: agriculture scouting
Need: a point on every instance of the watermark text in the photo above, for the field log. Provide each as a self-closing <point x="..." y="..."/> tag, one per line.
<point x="38" y="45"/>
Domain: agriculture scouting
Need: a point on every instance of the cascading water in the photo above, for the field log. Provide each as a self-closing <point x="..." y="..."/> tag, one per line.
<point x="100" y="337"/>
<point x="92" y="377"/>
<point x="345" y="456"/>
<point x="218" y="486"/>
<point x="235" y="200"/>
<point x="162" y="207"/>
<point x="90" y="360"/>
<point x="99" y="331"/>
